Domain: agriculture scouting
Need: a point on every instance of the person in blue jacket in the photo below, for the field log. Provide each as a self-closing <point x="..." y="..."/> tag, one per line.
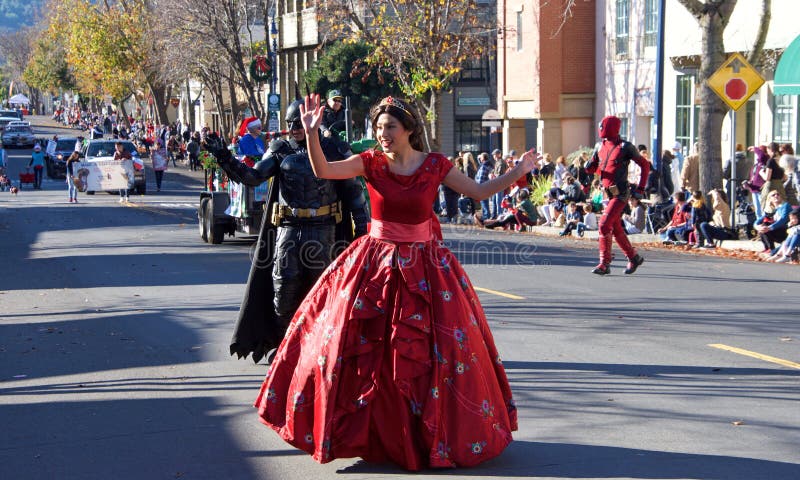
<point x="771" y="225"/>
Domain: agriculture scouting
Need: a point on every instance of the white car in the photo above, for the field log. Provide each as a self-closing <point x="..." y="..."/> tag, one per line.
<point x="6" y="120"/>
<point x="15" y="135"/>
<point x="103" y="149"/>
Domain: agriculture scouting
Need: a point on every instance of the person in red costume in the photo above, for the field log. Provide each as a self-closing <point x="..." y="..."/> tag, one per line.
<point x="610" y="160"/>
<point x="390" y="356"/>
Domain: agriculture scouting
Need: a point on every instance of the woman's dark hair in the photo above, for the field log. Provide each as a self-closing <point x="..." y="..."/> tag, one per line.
<point x="400" y="110"/>
<point x="774" y="148"/>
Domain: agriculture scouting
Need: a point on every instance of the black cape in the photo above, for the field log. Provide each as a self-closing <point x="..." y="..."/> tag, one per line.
<point x="257" y="330"/>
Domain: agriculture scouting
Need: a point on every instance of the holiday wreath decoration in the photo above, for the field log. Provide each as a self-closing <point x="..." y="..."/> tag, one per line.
<point x="261" y="68"/>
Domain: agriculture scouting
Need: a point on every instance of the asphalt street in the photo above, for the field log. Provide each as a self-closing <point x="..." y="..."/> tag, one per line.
<point x="115" y="322"/>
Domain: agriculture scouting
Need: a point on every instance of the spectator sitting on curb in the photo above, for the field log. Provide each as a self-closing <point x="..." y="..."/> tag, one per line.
<point x="506" y="216"/>
<point x="720" y="226"/>
<point x="634" y="221"/>
<point x="597" y="196"/>
<point x="573" y="218"/>
<point x="573" y="190"/>
<point x="789" y="248"/>
<point x="699" y="215"/>
<point x="771" y="226"/>
<point x="675" y="231"/>
<point x="554" y="207"/>
<point x="589" y="220"/>
<point x="526" y="213"/>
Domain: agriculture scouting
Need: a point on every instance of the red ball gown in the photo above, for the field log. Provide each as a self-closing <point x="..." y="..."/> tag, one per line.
<point x="390" y="357"/>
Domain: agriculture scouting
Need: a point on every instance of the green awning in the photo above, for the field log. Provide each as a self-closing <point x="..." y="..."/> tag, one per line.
<point x="787" y="75"/>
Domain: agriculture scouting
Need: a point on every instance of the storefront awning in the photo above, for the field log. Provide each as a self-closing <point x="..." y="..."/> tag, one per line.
<point x="787" y="75"/>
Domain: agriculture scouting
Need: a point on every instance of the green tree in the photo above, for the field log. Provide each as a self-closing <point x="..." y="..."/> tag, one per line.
<point x="425" y="43"/>
<point x="47" y="68"/>
<point x="341" y="65"/>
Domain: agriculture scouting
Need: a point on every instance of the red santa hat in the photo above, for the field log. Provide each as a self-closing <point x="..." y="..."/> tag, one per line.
<point x="248" y="124"/>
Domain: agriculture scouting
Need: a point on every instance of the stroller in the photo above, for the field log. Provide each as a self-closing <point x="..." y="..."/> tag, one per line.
<point x="658" y="215"/>
<point x="745" y="213"/>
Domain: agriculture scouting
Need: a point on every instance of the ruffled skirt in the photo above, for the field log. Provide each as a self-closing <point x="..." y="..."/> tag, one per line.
<point x="390" y="357"/>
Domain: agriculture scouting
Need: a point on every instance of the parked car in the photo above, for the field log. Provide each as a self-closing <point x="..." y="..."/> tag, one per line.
<point x="18" y="136"/>
<point x="4" y="120"/>
<point x="103" y="149"/>
<point x="57" y="163"/>
<point x="15" y="114"/>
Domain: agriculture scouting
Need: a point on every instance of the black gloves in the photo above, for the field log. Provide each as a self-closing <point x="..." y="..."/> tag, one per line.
<point x="217" y="146"/>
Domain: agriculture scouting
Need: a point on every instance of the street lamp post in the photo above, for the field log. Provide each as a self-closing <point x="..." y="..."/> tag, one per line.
<point x="273" y="35"/>
<point x="274" y="99"/>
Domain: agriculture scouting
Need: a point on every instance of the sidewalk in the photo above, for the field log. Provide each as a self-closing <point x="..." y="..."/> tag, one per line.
<point x="650" y="239"/>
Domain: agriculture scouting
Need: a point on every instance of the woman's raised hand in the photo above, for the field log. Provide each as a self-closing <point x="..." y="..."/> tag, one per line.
<point x="311" y="112"/>
<point x="529" y="160"/>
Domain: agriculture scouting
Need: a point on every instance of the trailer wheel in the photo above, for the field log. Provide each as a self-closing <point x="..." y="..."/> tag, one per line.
<point x="215" y="231"/>
<point x="201" y="219"/>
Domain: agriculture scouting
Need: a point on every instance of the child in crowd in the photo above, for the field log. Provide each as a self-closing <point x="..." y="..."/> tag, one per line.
<point x="699" y="214"/>
<point x="789" y="248"/>
<point x="589" y="220"/>
<point x="635" y="221"/>
<point x="526" y="212"/>
<point x="572" y="219"/>
<point x="597" y="196"/>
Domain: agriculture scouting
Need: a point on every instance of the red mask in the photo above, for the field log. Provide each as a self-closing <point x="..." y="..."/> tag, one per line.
<point x="609" y="127"/>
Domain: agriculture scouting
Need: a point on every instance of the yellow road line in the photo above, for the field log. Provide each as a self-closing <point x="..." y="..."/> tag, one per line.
<point x="500" y="294"/>
<point x="766" y="358"/>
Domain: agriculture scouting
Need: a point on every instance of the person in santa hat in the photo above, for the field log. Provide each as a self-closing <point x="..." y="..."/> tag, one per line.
<point x="251" y="144"/>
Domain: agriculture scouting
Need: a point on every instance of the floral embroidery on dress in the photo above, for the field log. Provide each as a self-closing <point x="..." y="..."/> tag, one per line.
<point x="487" y="409"/>
<point x="358" y="304"/>
<point x="461" y="368"/>
<point x="439" y="356"/>
<point x="423" y="285"/>
<point x="435" y="392"/>
<point x="416" y="408"/>
<point x="298" y="401"/>
<point x="460" y="337"/>
<point x="271" y="396"/>
<point x="309" y="438"/>
<point x="477" y="447"/>
<point x="443" y="451"/>
<point x="446" y="295"/>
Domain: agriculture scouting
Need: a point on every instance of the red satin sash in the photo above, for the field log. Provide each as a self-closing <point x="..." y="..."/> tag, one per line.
<point x="403" y="232"/>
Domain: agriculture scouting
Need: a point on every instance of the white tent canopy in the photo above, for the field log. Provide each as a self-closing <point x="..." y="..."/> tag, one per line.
<point x="20" y="99"/>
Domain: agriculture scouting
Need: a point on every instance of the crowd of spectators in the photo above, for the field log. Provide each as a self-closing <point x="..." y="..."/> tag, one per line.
<point x="572" y="200"/>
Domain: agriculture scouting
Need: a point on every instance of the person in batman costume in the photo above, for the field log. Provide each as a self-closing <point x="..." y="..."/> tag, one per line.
<point x="315" y="219"/>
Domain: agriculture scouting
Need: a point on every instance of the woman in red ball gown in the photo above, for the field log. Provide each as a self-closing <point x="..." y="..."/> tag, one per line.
<point x="389" y="357"/>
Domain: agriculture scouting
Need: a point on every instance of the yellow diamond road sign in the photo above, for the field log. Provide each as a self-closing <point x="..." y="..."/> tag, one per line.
<point x="735" y="81"/>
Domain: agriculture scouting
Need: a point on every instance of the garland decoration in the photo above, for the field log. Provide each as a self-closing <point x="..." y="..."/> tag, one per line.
<point x="261" y="68"/>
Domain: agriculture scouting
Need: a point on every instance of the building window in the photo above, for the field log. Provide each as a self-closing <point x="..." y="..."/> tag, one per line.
<point x="686" y="113"/>
<point x="472" y="137"/>
<point x="519" y="31"/>
<point x="475" y="69"/>
<point x="624" y="127"/>
<point x="650" y="23"/>
<point x="622" y="27"/>
<point x="784" y="126"/>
